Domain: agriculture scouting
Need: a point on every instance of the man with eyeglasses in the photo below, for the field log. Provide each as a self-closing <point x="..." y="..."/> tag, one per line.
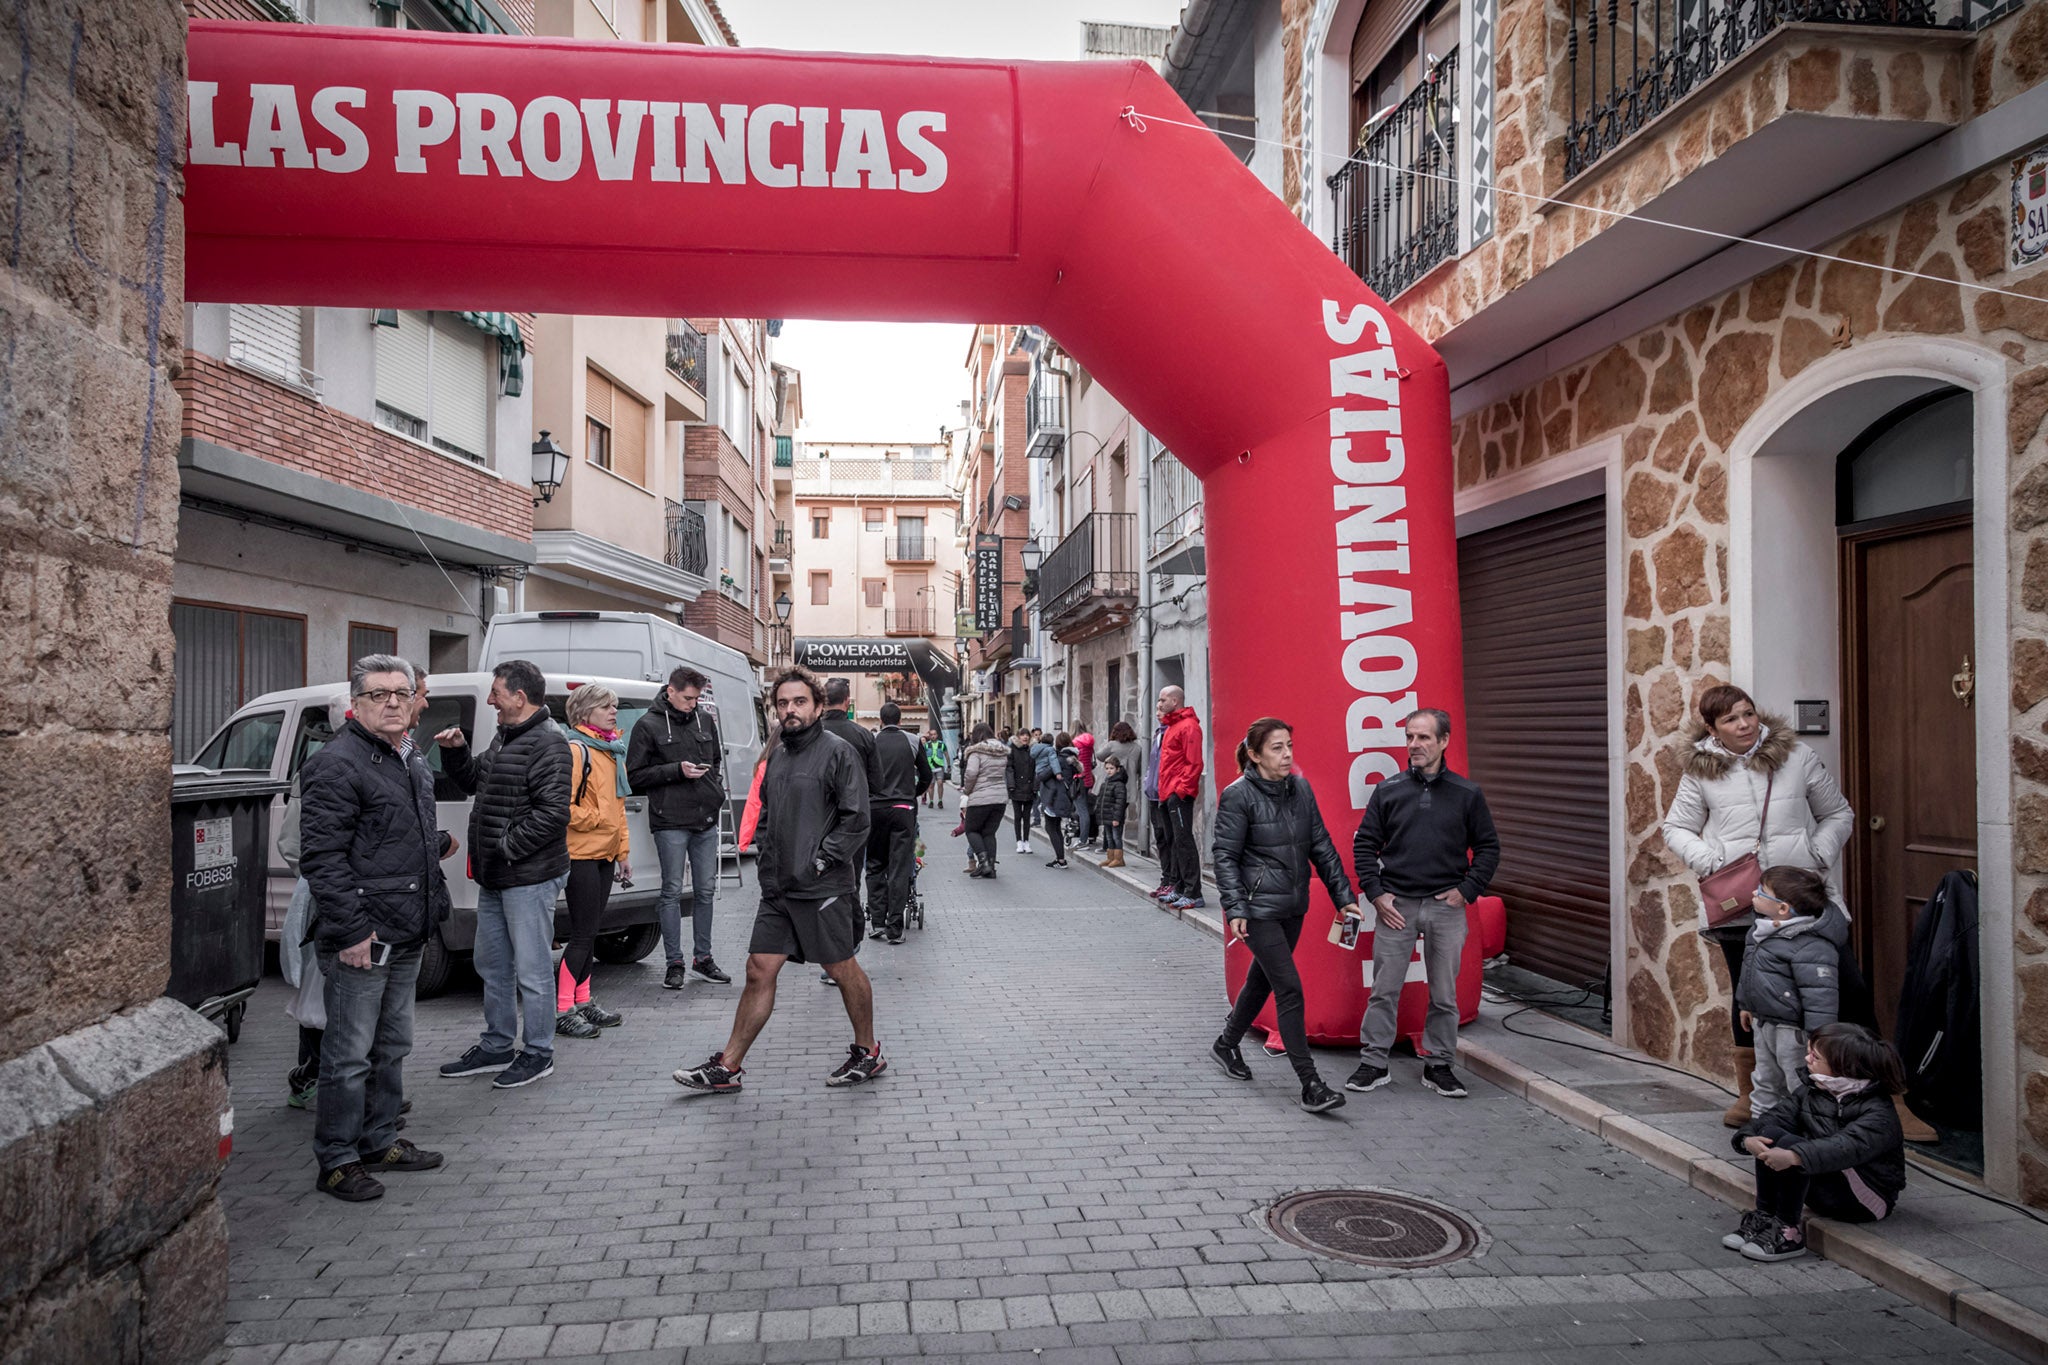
<point x="370" y="851"/>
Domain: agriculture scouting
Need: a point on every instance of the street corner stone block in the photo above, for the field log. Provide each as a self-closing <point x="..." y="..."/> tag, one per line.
<point x="185" y="1288"/>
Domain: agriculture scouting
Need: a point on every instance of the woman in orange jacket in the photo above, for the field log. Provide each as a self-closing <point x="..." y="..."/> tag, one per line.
<point x="597" y="850"/>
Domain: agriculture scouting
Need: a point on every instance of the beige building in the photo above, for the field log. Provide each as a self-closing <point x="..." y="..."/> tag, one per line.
<point x="876" y="553"/>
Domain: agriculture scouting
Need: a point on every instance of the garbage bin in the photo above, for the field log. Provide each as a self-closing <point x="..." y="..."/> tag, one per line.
<point x="220" y="867"/>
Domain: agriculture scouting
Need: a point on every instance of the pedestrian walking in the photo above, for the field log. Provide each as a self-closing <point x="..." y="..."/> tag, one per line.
<point x="519" y="855"/>
<point x="1180" y="787"/>
<point x="676" y="759"/>
<point x="598" y="850"/>
<point x="1791" y="981"/>
<point x="938" y="758"/>
<point x="1736" y="762"/>
<point x="1833" y="1145"/>
<point x="1021" y="783"/>
<point x="902" y="773"/>
<point x="1044" y="760"/>
<point x="1059" y="796"/>
<point x="1270" y="840"/>
<point x="983" y="792"/>
<point x="1111" y="800"/>
<point x="1425" y="850"/>
<point x="371" y="851"/>
<point x="813" y="831"/>
<point x="838" y="719"/>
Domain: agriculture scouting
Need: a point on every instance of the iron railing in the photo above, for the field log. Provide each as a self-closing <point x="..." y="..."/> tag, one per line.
<point x="1397" y="197"/>
<point x="913" y="549"/>
<point x="1045" y="414"/>
<point x="688" y="547"/>
<point x="779" y="542"/>
<point x="1099" y="558"/>
<point x="686" y="353"/>
<point x="1020" y="634"/>
<point x="785" y="452"/>
<point x="910" y="621"/>
<point x="1631" y="60"/>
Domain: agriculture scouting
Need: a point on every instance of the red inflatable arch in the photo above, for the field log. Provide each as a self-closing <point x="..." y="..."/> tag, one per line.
<point x="372" y="168"/>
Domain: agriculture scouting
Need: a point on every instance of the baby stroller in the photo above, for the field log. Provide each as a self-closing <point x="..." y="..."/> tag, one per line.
<point x="913" y="913"/>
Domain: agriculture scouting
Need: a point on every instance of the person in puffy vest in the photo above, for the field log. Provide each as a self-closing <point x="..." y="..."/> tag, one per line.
<point x="1791" y="979"/>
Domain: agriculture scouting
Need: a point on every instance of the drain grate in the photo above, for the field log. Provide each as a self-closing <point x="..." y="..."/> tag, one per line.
<point x="1375" y="1227"/>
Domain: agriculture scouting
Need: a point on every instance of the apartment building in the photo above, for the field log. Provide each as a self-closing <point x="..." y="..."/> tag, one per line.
<point x="999" y="660"/>
<point x="353" y="480"/>
<point x="789" y="416"/>
<point x="876" y="530"/>
<point x="727" y="461"/>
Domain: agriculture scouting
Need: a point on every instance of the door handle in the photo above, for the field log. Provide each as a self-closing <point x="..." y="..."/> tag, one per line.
<point x="1964" y="684"/>
<point x="1876" y="824"/>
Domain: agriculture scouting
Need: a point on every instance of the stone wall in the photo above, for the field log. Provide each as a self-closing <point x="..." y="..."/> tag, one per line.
<point x="1677" y="395"/>
<point x="111" y="1099"/>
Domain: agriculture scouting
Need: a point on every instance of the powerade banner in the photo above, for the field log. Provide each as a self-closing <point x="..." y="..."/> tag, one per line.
<point x="988" y="583"/>
<point x="934" y="668"/>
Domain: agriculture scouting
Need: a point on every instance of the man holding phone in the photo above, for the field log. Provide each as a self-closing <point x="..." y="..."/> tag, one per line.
<point x="676" y="759"/>
<point x="371" y="853"/>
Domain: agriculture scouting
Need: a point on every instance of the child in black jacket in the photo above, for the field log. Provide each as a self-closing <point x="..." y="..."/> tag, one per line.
<point x="1833" y="1145"/>
<point x="1110" y="800"/>
<point x="1791" y="981"/>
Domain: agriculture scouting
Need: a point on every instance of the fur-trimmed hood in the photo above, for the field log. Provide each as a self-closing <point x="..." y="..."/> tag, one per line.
<point x="1706" y="760"/>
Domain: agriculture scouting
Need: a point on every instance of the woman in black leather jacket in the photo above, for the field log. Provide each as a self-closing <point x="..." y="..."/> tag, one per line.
<point x="1270" y="839"/>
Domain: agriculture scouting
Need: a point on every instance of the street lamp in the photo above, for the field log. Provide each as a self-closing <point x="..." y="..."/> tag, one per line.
<point x="782" y="606"/>
<point x="1032" y="555"/>
<point x="550" y="467"/>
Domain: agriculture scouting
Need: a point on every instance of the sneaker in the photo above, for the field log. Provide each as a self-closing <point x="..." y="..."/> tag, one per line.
<point x="1176" y="902"/>
<point x="859" y="1067"/>
<point x="711" y="971"/>
<point x="895" y="937"/>
<point x="1367" y="1077"/>
<point x="1057" y="862"/>
<point x="302" y="1086"/>
<point x="1024" y="847"/>
<point x="712" y="1078"/>
<point x="678" y="977"/>
<point x="1194" y="902"/>
<point x="1755" y="1224"/>
<point x="572" y="1023"/>
<point x="1318" y="1098"/>
<point x="405" y="1106"/>
<point x="826" y="977"/>
<point x="1444" y="1081"/>
<point x="526" y="1068"/>
<point x="600" y="1016"/>
<point x="476" y="1061"/>
<point x="350" y="1182"/>
<point x="403" y="1156"/>
<point x="878" y="933"/>
<point x="1163" y="891"/>
<point x="1230" y="1059"/>
<point x="1775" y="1243"/>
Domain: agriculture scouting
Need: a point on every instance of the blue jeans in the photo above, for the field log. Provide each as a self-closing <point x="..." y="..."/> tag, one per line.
<point x="515" y="935"/>
<point x="362" y="1055"/>
<point x="696" y="849"/>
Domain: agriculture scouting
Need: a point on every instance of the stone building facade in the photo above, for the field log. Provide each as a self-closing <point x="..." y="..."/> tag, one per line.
<point x="1710" y="390"/>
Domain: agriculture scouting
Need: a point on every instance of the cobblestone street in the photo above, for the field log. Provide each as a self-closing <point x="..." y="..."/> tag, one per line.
<point x="1050" y="1171"/>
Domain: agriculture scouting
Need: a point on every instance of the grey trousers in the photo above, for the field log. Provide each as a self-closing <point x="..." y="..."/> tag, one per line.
<point x="1780" y="1052"/>
<point x="1442" y="928"/>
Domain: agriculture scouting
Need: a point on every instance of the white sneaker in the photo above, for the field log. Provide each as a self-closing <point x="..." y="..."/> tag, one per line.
<point x="1024" y="847"/>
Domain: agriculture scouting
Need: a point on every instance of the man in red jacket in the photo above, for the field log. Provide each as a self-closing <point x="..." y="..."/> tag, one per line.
<point x="1180" y="787"/>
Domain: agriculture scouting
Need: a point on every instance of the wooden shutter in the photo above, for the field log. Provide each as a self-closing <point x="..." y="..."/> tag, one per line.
<point x="1383" y="23"/>
<point x="402" y="365"/>
<point x="629" y="437"/>
<point x="1534" y="598"/>
<point x="266" y="338"/>
<point x="460" y="419"/>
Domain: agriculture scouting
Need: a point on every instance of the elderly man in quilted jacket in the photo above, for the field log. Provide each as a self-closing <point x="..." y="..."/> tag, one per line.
<point x="519" y="855"/>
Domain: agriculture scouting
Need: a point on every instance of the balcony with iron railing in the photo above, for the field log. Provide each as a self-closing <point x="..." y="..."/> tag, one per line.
<point x="1045" y="414"/>
<point x="1089" y="582"/>
<point x="910" y="621"/>
<point x="686" y="353"/>
<point x="785" y="452"/>
<point x="688" y="548"/>
<point x="780" y="542"/>
<point x="911" y="549"/>
<point x="1397" y="197"/>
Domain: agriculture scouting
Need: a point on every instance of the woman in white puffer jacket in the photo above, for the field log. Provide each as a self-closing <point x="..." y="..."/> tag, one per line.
<point x="1730" y="753"/>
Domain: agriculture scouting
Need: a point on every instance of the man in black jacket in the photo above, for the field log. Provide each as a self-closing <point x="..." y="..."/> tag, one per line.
<point x="519" y="855"/>
<point x="901" y="774"/>
<point x="814" y="825"/>
<point x="838" y="720"/>
<point x="371" y="853"/>
<point x="1424" y="851"/>
<point x="676" y="759"/>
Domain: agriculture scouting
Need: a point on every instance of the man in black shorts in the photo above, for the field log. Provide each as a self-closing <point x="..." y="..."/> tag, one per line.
<point x="811" y="840"/>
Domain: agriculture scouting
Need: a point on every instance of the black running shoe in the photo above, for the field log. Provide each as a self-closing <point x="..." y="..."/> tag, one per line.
<point x="573" y="1023"/>
<point x="1755" y="1223"/>
<point x="710" y="971"/>
<point x="402" y="1156"/>
<point x="712" y="1078"/>
<point x="1230" y="1059"/>
<point x="895" y="936"/>
<point x="1776" y="1243"/>
<point x="1367" y="1077"/>
<point x="826" y="977"/>
<point x="302" y="1085"/>
<point x="877" y="933"/>
<point x="1318" y="1098"/>
<point x="1444" y="1081"/>
<point x="860" y="1066"/>
<point x="599" y="1015"/>
<point x="476" y="1061"/>
<point x="678" y="976"/>
<point x="350" y="1182"/>
<point x="526" y="1068"/>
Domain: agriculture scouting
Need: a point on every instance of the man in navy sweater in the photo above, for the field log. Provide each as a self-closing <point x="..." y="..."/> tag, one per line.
<point x="1425" y="850"/>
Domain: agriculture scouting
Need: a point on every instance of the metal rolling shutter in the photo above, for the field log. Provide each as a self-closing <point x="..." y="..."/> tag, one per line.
<point x="462" y="389"/>
<point x="265" y="337"/>
<point x="403" y="364"/>
<point x="1534" y="598"/>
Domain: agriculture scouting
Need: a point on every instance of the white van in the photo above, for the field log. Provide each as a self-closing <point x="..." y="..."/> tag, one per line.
<point x="638" y="644"/>
<point x="277" y="732"/>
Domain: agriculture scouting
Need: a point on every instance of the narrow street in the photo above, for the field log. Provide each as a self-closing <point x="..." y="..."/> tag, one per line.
<point x="1051" y="1170"/>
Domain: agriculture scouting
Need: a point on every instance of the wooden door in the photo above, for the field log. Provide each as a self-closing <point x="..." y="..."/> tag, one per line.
<point x="1913" y="756"/>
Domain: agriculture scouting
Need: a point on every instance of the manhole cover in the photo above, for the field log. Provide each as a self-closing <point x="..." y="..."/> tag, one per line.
<point x="1375" y="1227"/>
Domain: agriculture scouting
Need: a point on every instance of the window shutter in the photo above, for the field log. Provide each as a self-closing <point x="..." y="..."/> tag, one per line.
<point x="629" y="437"/>
<point x="597" y="396"/>
<point x="273" y="653"/>
<point x="461" y="389"/>
<point x="364" y="641"/>
<point x="402" y="365"/>
<point x="1384" y="23"/>
<point x="266" y="338"/>
<point x="207" y="682"/>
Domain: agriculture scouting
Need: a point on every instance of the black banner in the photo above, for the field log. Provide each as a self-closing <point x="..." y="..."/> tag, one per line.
<point x="988" y="583"/>
<point x="933" y="666"/>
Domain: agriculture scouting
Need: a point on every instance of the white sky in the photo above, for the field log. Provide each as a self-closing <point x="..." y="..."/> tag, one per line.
<point x="895" y="381"/>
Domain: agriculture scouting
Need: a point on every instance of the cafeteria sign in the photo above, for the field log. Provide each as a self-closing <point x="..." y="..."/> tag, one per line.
<point x="988" y="583"/>
<point x="2030" y="208"/>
